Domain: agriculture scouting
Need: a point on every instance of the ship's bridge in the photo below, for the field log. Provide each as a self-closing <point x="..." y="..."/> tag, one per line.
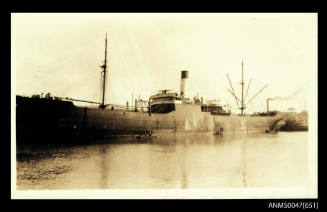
<point x="164" y="101"/>
<point x="164" y="95"/>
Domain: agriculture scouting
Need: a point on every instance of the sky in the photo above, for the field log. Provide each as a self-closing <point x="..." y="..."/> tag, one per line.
<point x="61" y="53"/>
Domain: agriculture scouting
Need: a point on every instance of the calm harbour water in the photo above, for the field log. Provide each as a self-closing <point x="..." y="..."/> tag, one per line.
<point x="193" y="161"/>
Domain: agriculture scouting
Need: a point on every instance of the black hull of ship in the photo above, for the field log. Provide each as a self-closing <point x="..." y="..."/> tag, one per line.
<point x="41" y="120"/>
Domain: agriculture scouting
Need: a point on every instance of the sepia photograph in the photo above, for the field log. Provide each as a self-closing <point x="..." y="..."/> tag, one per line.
<point x="164" y="105"/>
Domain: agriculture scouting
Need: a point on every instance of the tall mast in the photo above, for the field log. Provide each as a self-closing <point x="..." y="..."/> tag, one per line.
<point x="242" y="101"/>
<point x="242" y="83"/>
<point x="104" y="66"/>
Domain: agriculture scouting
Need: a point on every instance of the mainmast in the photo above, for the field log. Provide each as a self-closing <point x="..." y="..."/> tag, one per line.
<point x="104" y="66"/>
<point x="242" y="83"/>
<point x="243" y="99"/>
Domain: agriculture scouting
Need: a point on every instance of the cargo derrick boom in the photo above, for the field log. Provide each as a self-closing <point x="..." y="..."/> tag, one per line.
<point x="241" y="101"/>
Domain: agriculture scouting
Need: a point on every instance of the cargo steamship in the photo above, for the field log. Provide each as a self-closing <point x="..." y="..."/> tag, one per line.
<point x="39" y="119"/>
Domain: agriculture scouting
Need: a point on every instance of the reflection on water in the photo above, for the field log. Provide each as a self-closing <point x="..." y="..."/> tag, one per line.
<point x="170" y="161"/>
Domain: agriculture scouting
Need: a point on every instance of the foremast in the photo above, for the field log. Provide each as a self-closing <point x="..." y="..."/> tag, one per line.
<point x="104" y="67"/>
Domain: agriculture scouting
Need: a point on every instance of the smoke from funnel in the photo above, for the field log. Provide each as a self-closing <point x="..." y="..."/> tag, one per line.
<point x="293" y="95"/>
